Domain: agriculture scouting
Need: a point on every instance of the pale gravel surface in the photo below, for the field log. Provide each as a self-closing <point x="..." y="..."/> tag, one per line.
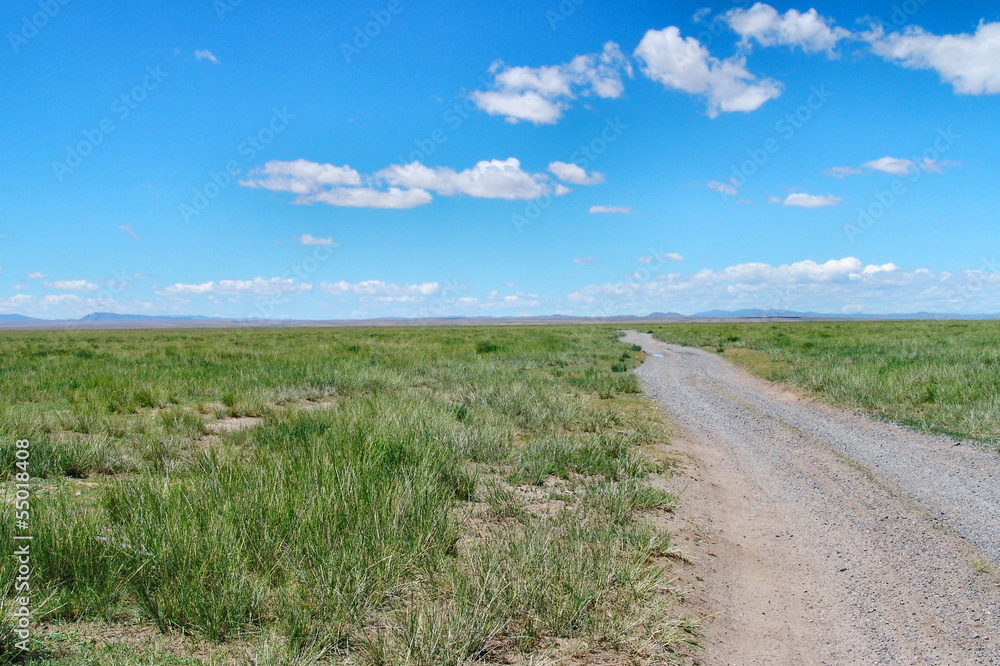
<point x="818" y="535"/>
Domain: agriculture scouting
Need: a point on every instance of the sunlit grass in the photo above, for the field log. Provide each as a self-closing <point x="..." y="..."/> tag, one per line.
<point x="939" y="376"/>
<point x="381" y="508"/>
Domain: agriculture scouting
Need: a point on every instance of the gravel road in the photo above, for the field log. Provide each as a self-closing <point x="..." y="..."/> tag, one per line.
<point x="817" y="535"/>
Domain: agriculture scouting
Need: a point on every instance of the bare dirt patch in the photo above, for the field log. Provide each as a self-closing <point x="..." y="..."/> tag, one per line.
<point x="233" y="424"/>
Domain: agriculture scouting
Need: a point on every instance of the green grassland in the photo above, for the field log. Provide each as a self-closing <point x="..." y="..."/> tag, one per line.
<point x="937" y="376"/>
<point x="358" y="496"/>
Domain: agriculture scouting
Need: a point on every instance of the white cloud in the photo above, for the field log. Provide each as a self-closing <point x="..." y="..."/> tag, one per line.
<point x="72" y="285"/>
<point x="574" y="173"/>
<point x="585" y="261"/>
<point x="257" y="286"/>
<point x="809" y="31"/>
<point x="541" y="94"/>
<point x="660" y="257"/>
<point x="842" y="172"/>
<point x="842" y="285"/>
<point x="406" y="185"/>
<point x="301" y="176"/>
<point x="803" y="200"/>
<point x="203" y="54"/>
<point x="970" y="63"/>
<point x="35" y="275"/>
<point x="493" y="179"/>
<point x="893" y="165"/>
<point x="625" y="210"/>
<point x="528" y="105"/>
<point x="723" y="188"/>
<point x="377" y="291"/>
<point x="896" y="166"/>
<point x="684" y="64"/>
<point x="309" y="239"/>
<point x="366" y="197"/>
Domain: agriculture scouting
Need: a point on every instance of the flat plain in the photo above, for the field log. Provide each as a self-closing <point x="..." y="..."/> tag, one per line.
<point x="415" y="495"/>
<point x="361" y="496"/>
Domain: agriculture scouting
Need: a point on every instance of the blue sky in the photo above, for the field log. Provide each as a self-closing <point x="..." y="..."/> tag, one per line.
<point x="307" y="160"/>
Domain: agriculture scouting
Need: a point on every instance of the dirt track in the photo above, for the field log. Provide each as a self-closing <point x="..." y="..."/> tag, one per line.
<point x="820" y="536"/>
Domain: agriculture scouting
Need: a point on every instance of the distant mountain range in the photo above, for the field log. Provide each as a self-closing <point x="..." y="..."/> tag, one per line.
<point x="99" y="320"/>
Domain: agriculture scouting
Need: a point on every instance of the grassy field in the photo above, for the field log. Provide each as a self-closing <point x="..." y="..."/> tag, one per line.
<point x="938" y="376"/>
<point x="358" y="496"/>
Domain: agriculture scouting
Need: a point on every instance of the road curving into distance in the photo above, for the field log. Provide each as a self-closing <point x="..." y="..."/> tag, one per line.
<point x="818" y="535"/>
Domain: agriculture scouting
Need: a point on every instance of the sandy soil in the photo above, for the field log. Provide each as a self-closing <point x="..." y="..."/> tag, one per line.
<point x="817" y="535"/>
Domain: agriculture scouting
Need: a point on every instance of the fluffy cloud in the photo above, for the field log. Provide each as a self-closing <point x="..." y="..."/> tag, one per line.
<point x="893" y="165"/>
<point x="493" y="179"/>
<point x="541" y="94"/>
<point x="721" y="188"/>
<point x="377" y="291"/>
<point x="301" y="176"/>
<point x="897" y="166"/>
<point x="35" y="275"/>
<point x="573" y="173"/>
<point x="625" y="210"/>
<point x="204" y="54"/>
<point x="842" y="285"/>
<point x="809" y="31"/>
<point x="309" y="239"/>
<point x="366" y="197"/>
<point x="72" y="285"/>
<point x="585" y="261"/>
<point x="660" y="257"/>
<point x="406" y="185"/>
<point x="257" y="286"/>
<point x="970" y="63"/>
<point x="684" y="64"/>
<point x="803" y="200"/>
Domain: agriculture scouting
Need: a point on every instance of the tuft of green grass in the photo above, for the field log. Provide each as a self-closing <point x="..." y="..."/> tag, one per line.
<point x="982" y="566"/>
<point x="391" y="505"/>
